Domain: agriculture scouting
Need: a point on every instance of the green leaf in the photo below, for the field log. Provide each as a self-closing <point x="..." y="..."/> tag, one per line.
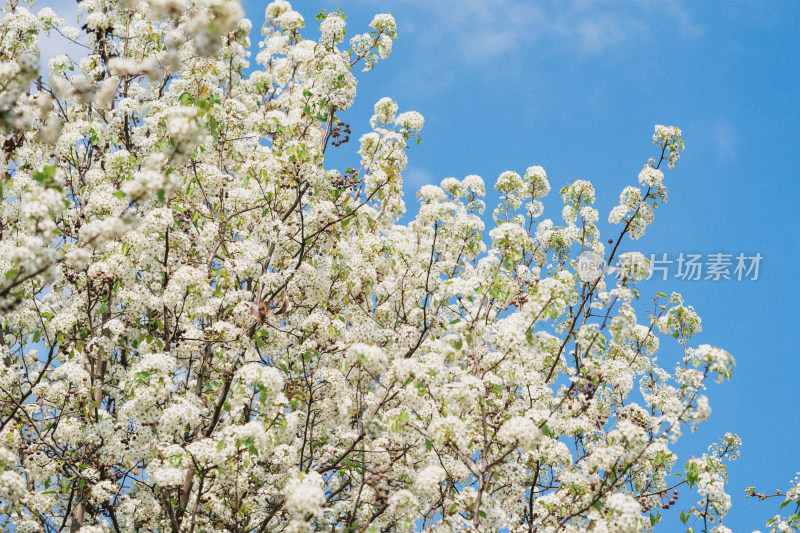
<point x="692" y="474"/>
<point x="251" y="445"/>
<point x="186" y="99"/>
<point x="120" y="194"/>
<point x="655" y="519"/>
<point x="661" y="294"/>
<point x="45" y="175"/>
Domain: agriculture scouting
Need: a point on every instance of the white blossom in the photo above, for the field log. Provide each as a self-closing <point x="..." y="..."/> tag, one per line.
<point x="519" y="431"/>
<point x="428" y="480"/>
<point x="207" y="326"/>
<point x="306" y="495"/>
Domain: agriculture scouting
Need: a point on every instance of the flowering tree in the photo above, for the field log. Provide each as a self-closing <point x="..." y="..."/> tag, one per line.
<point x="206" y="329"/>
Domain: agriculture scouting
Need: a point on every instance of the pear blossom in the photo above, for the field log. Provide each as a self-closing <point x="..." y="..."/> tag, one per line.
<point x="207" y="327"/>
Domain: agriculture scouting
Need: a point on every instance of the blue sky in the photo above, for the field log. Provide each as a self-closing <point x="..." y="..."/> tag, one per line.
<point x="576" y="87"/>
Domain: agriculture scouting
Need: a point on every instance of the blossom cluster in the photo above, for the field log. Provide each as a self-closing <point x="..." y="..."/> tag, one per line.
<point x="205" y="327"/>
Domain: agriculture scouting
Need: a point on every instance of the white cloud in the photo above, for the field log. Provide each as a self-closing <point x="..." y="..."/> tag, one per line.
<point x="723" y="133"/>
<point x="414" y="178"/>
<point x="483" y="31"/>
